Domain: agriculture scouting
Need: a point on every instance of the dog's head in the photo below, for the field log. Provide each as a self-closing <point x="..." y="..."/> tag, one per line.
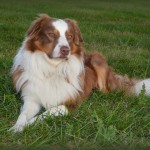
<point x="57" y="38"/>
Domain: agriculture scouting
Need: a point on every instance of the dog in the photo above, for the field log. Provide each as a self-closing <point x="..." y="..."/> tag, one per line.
<point x="52" y="70"/>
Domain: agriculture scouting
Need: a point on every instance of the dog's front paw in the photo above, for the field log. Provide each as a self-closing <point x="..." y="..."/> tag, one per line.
<point x="17" y="128"/>
<point x="20" y="124"/>
<point x="58" y="111"/>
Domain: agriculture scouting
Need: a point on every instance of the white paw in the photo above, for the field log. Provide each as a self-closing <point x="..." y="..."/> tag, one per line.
<point x="17" y="128"/>
<point x="20" y="124"/>
<point x="54" y="111"/>
<point x="58" y="111"/>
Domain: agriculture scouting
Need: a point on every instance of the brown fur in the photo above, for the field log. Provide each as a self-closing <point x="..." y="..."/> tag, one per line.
<point x="108" y="80"/>
<point x="99" y="65"/>
<point x="16" y="74"/>
<point x="76" y="42"/>
<point x="72" y="104"/>
<point x="38" y="35"/>
<point x="90" y="82"/>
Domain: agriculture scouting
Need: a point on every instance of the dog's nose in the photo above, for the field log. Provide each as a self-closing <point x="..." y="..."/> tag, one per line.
<point x="64" y="50"/>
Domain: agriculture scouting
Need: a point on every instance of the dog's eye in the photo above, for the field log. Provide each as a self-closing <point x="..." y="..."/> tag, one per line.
<point x="52" y="35"/>
<point x="69" y="36"/>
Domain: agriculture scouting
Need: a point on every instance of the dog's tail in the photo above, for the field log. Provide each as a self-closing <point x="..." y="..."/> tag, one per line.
<point x="129" y="86"/>
<point x="142" y="85"/>
<point x="108" y="80"/>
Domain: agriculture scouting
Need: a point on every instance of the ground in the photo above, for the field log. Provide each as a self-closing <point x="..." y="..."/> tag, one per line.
<point x="120" y="29"/>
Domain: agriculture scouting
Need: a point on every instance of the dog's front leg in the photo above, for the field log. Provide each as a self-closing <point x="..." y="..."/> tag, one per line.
<point x="29" y="110"/>
<point x="60" y="110"/>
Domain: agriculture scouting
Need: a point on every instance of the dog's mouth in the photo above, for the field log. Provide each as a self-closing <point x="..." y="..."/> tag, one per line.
<point x="64" y="57"/>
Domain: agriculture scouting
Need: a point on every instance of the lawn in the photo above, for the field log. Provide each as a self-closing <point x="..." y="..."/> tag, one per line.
<point x="120" y="29"/>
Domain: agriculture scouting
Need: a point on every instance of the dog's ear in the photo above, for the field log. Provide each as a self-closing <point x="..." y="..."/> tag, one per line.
<point x="37" y="24"/>
<point x="77" y="34"/>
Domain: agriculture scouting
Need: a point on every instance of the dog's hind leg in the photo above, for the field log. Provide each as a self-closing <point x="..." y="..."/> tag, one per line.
<point x="98" y="63"/>
<point x="29" y="110"/>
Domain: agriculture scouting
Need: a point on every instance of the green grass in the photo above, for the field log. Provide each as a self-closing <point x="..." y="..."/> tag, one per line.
<point x="120" y="29"/>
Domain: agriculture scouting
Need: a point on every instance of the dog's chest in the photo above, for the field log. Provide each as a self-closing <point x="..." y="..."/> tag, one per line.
<point x="55" y="90"/>
<point x="47" y="83"/>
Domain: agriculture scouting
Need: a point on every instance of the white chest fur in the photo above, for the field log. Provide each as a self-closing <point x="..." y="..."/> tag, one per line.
<point x="47" y="79"/>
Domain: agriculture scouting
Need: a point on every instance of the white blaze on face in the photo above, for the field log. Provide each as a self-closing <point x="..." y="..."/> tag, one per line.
<point x="62" y="27"/>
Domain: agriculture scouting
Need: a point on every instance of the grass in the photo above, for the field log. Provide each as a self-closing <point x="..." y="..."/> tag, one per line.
<point x="120" y="29"/>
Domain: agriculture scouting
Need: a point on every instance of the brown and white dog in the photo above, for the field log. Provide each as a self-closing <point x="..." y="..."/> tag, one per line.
<point x="51" y="70"/>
